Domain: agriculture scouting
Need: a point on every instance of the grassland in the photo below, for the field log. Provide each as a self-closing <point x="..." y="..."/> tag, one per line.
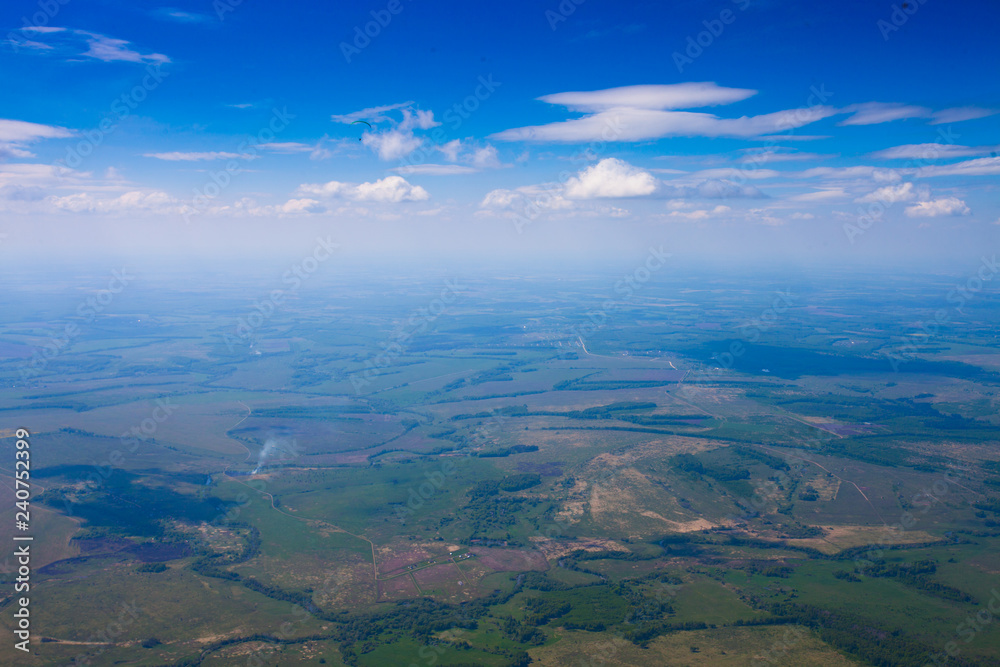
<point x="500" y="485"/>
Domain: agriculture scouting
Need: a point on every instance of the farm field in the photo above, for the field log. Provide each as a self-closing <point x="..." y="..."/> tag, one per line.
<point x="358" y="481"/>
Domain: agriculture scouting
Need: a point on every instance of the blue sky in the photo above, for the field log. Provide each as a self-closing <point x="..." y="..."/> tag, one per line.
<point x="849" y="131"/>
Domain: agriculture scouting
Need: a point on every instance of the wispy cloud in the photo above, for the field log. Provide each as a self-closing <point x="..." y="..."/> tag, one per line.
<point x="959" y="114"/>
<point x="67" y="41"/>
<point x="372" y="114"/>
<point x="933" y="151"/>
<point x="109" y="49"/>
<point x="436" y="169"/>
<point x="873" y="113"/>
<point x="178" y="156"/>
<point x="16" y="134"/>
<point x="180" y="16"/>
<point x="985" y="166"/>
<point x="638" y="113"/>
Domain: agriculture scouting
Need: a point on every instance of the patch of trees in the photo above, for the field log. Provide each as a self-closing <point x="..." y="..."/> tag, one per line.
<point x="520" y="481"/>
<point x="154" y="568"/>
<point x="694" y="465"/>
<point x="860" y="636"/>
<point x="809" y="494"/>
<point x="917" y="575"/>
<point x="506" y="451"/>
<point x="541" y="610"/>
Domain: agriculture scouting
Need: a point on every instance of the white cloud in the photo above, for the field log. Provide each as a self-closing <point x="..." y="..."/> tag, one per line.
<point x="16" y="134"/>
<point x="99" y="47"/>
<point x="435" y="169"/>
<point x="178" y="156"/>
<point x="777" y="154"/>
<point x="128" y="203"/>
<point x="610" y="177"/>
<point x="730" y="173"/>
<point x="636" y="113"/>
<point x="893" y="194"/>
<point x="873" y="113"/>
<point x="526" y="199"/>
<point x="450" y="149"/>
<point x="110" y="49"/>
<point x="959" y="114"/>
<point x="699" y="214"/>
<point x="802" y="216"/>
<point x="392" y="144"/>
<point x="485" y="158"/>
<point x="932" y="151"/>
<point x="877" y="174"/>
<point x="371" y="114"/>
<point x="39" y="175"/>
<point x="302" y="206"/>
<point x="630" y="124"/>
<point x="423" y="120"/>
<point x="819" y="196"/>
<point x="670" y="96"/>
<point x="171" y="14"/>
<point x="286" y="147"/>
<point x="938" y="207"/>
<point x="712" y="189"/>
<point x="986" y="166"/>
<point x="391" y="189"/>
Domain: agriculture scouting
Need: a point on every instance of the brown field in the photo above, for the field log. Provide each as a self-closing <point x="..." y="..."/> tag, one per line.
<point x="838" y="538"/>
<point x="722" y="647"/>
<point x="510" y="560"/>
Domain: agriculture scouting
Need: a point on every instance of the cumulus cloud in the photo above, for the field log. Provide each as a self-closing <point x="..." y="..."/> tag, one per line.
<point x="485" y="158"/>
<point x="893" y="194"/>
<point x="392" y="144"/>
<point x="938" y="207"/>
<point x="873" y="113"/>
<point x="527" y="200"/>
<point x="399" y="140"/>
<point x="637" y="113"/>
<point x="450" y="150"/>
<point x="391" y="189"/>
<point x="610" y="177"/>
<point x="423" y="120"/>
